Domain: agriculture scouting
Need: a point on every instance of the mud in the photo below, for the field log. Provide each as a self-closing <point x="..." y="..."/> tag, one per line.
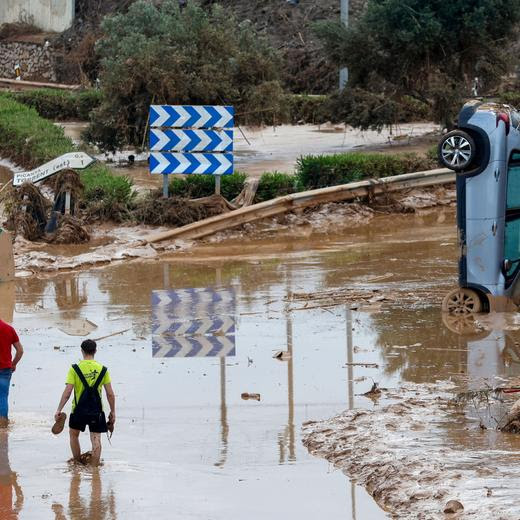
<point x="417" y="451"/>
<point x="108" y="244"/>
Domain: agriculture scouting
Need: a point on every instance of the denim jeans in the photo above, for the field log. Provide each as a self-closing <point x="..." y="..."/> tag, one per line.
<point x="5" y="381"/>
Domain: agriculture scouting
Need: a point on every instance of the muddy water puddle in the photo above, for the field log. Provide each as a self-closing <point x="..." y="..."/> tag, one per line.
<point x="187" y="445"/>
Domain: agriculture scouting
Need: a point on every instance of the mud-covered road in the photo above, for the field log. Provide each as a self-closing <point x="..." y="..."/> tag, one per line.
<point x="187" y="445"/>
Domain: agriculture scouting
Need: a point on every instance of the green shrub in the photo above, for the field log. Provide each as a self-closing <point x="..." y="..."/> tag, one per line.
<point x="101" y="184"/>
<point x="275" y="184"/>
<point x="320" y="171"/>
<point x="197" y="186"/>
<point x="156" y="53"/>
<point x="59" y="104"/>
<point x="308" y="109"/>
<point x="510" y="98"/>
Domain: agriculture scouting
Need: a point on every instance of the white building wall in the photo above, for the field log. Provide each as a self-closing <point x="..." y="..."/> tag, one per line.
<point x="49" y="15"/>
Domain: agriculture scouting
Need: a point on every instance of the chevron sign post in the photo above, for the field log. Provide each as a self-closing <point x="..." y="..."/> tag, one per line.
<point x="177" y="133"/>
<point x="193" y="323"/>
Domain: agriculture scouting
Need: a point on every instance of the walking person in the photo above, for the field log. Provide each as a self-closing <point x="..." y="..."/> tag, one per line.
<point x="87" y="379"/>
<point x="8" y="340"/>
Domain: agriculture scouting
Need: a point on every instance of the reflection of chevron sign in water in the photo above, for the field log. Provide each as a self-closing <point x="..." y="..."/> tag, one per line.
<point x="193" y="323"/>
<point x="193" y="346"/>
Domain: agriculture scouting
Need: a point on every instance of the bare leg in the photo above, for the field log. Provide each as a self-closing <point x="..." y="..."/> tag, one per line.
<point x="74" y="443"/>
<point x="96" y="448"/>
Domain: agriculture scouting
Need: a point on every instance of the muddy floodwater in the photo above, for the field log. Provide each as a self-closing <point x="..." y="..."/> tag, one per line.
<point x="187" y="445"/>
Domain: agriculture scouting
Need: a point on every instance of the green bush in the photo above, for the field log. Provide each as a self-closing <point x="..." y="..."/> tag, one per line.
<point x="197" y="186"/>
<point x="275" y="184"/>
<point x="308" y="109"/>
<point x="510" y="98"/>
<point x="59" y="104"/>
<point x="101" y="184"/>
<point x="320" y="171"/>
<point x="156" y="53"/>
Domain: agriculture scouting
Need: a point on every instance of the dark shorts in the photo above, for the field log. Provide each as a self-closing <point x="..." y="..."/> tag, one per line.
<point x="96" y="424"/>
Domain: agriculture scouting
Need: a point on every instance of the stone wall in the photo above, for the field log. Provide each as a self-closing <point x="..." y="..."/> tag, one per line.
<point x="36" y="60"/>
<point x="49" y="15"/>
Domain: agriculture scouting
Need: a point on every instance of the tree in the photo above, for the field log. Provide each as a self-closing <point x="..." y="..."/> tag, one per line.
<point x="429" y="51"/>
<point x="162" y="55"/>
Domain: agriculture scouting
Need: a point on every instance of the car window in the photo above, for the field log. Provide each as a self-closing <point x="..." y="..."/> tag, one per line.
<point x="512" y="227"/>
<point x="512" y="243"/>
<point x="513" y="182"/>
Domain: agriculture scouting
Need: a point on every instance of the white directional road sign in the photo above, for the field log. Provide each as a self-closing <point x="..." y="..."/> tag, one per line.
<point x="74" y="160"/>
<point x="190" y="116"/>
<point x="186" y="163"/>
<point x="193" y="323"/>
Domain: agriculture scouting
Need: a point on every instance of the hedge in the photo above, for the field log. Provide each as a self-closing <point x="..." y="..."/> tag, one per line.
<point x="275" y="184"/>
<point x="59" y="104"/>
<point x="321" y="171"/>
<point x="197" y="186"/>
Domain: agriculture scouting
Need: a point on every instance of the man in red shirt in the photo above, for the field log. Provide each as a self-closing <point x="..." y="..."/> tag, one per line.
<point x="8" y="340"/>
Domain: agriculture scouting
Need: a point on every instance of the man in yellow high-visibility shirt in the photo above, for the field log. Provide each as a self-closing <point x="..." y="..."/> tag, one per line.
<point x="87" y="378"/>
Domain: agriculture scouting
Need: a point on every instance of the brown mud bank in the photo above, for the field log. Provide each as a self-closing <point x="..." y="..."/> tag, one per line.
<point x="416" y="450"/>
<point x="112" y="243"/>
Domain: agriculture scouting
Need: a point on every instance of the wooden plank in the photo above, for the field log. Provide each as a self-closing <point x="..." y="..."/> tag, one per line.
<point x="270" y="208"/>
<point x="22" y="84"/>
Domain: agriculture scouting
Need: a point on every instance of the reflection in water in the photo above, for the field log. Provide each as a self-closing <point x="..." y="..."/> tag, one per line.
<point x="350" y="384"/>
<point x="8" y="483"/>
<point x="224" y="426"/>
<point x="7" y="301"/>
<point x="287" y="437"/>
<point x="70" y="295"/>
<point x="98" y="507"/>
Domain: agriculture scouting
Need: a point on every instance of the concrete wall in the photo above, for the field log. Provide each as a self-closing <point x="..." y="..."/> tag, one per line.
<point x="49" y="15"/>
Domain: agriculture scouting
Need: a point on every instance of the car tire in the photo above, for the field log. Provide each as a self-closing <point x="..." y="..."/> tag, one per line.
<point x="457" y="150"/>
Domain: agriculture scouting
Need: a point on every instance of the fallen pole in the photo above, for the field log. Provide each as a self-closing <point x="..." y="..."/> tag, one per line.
<point x="306" y="199"/>
<point x="21" y="84"/>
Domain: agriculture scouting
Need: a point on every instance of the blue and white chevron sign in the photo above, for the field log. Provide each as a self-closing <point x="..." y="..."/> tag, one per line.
<point x="196" y="322"/>
<point x="193" y="346"/>
<point x="187" y="163"/>
<point x="191" y="140"/>
<point x="188" y="116"/>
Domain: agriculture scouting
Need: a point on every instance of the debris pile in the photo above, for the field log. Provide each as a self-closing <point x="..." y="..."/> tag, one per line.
<point x="26" y="210"/>
<point x="69" y="231"/>
<point x="416" y="453"/>
<point x="177" y="211"/>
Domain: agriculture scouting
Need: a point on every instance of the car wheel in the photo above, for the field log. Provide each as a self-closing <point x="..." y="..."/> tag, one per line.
<point x="457" y="150"/>
<point x="462" y="301"/>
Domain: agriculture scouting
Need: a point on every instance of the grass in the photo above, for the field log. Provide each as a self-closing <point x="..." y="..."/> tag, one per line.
<point x="59" y="104"/>
<point x="30" y="141"/>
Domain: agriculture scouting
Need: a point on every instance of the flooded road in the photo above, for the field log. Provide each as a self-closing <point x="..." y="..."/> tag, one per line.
<point x="186" y="444"/>
<point x="277" y="148"/>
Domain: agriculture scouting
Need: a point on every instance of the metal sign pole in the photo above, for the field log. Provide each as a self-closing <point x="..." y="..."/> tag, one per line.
<point x="217" y="184"/>
<point x="165" y="189"/>
<point x="67" y="203"/>
<point x="343" y="72"/>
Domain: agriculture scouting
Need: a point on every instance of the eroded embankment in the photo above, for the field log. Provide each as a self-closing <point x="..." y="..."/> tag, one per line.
<point x="417" y="451"/>
<point x="111" y="243"/>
